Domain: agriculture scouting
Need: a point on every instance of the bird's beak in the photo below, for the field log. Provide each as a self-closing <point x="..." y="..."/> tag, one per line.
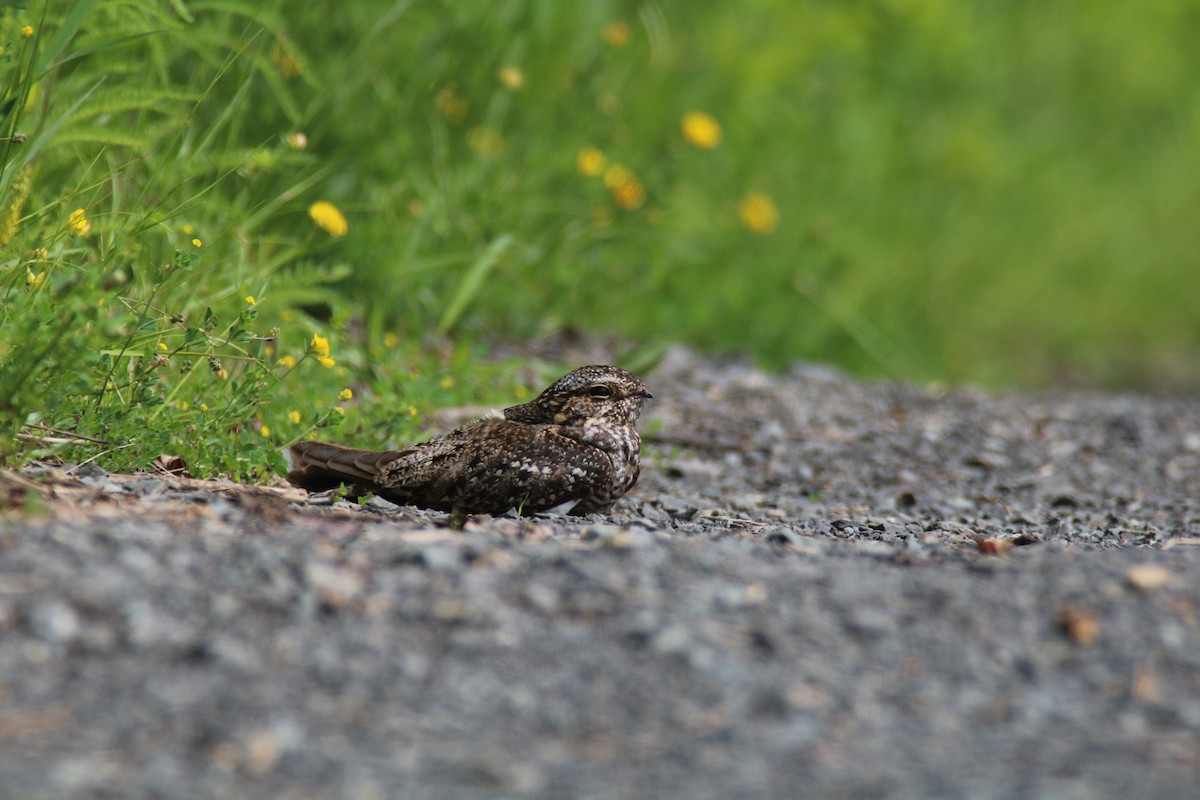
<point x="645" y="394"/>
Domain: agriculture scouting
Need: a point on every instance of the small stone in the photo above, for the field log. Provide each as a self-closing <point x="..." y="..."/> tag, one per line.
<point x="1080" y="626"/>
<point x="1148" y="577"/>
<point x="337" y="587"/>
<point x="54" y="621"/>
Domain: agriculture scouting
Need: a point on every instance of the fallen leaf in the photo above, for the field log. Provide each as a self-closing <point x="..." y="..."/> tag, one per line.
<point x="994" y="546"/>
<point x="170" y="465"/>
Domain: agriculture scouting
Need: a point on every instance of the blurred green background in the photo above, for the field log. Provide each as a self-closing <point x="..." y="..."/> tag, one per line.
<point x="994" y="192"/>
<point x="954" y="190"/>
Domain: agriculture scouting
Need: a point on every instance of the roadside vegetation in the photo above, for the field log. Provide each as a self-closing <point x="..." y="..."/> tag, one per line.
<point x="225" y="226"/>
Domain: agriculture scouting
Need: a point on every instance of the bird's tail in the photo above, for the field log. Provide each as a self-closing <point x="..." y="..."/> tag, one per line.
<point x="317" y="466"/>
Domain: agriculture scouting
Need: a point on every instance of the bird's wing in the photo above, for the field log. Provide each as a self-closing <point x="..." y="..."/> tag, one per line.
<point x="495" y="465"/>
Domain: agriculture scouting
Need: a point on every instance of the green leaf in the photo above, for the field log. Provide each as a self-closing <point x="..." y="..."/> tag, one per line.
<point x="472" y="282"/>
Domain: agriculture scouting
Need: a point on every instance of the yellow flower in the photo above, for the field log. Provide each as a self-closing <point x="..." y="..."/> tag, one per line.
<point x="511" y="77"/>
<point x="197" y="243"/>
<point x="183" y="405"/>
<point x="79" y="223"/>
<point x="250" y="301"/>
<point x="485" y="141"/>
<point x="35" y="281"/>
<point x="328" y="218"/>
<point x="294" y="416"/>
<point x="204" y="406"/>
<point x="187" y="230"/>
<point x="325" y="361"/>
<point x="287" y="362"/>
<point x="616" y="33"/>
<point x="27" y="31"/>
<point x="447" y="382"/>
<point x="162" y="346"/>
<point x="10" y="219"/>
<point x="590" y="161"/>
<point x="758" y="213"/>
<point x="345" y="394"/>
<point x="412" y="411"/>
<point x="265" y="431"/>
<point x="453" y="107"/>
<point x="615" y="175"/>
<point x="341" y="412"/>
<point x="701" y="129"/>
<point x="319" y="345"/>
<point x="296" y="140"/>
<point x="390" y="340"/>
<point x="627" y="190"/>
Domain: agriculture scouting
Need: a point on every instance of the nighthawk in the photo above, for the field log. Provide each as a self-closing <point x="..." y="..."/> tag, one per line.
<point x="575" y="443"/>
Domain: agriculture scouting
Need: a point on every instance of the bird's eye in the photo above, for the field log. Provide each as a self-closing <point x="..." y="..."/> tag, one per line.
<point x="599" y="390"/>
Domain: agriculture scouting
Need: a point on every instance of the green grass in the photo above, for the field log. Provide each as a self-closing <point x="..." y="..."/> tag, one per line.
<point x="966" y="191"/>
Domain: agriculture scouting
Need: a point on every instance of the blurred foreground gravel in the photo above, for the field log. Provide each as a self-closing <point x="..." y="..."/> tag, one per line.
<point x="822" y="588"/>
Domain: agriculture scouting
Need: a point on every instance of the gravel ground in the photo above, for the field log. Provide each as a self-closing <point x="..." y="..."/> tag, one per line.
<point x="821" y="588"/>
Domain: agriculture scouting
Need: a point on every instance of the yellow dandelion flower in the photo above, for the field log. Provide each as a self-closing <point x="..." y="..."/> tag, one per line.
<point x="79" y="223"/>
<point x="615" y="175"/>
<point x="616" y="33"/>
<point x="250" y="301"/>
<point x="294" y="417"/>
<point x="319" y="345"/>
<point x="27" y="31"/>
<point x="204" y="406"/>
<point x="629" y="195"/>
<point x="485" y="141"/>
<point x="35" y="281"/>
<point x="345" y="394"/>
<point x="287" y="362"/>
<point x="511" y="77"/>
<point x="627" y="190"/>
<point x="447" y="382"/>
<point x="390" y="340"/>
<point x="758" y="213"/>
<point x="265" y="431"/>
<point x="328" y="218"/>
<point x="453" y="107"/>
<point x="701" y="129"/>
<point x="197" y="243"/>
<point x="296" y="140"/>
<point x="590" y="161"/>
<point x="325" y="361"/>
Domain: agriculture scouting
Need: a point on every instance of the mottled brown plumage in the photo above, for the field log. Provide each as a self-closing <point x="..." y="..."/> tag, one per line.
<point x="575" y="442"/>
